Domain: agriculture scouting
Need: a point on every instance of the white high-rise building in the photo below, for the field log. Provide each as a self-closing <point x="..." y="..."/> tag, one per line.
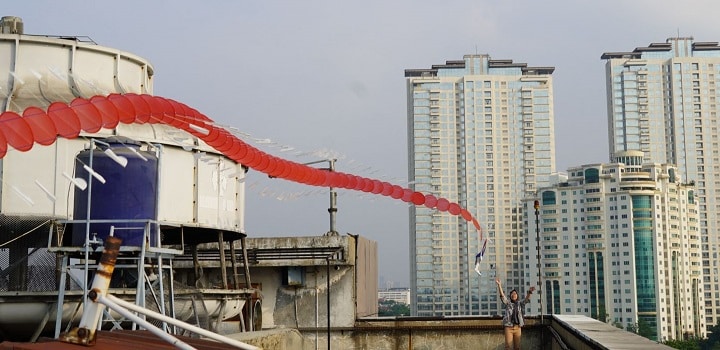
<point x="398" y="295"/>
<point x="663" y="100"/>
<point x="620" y="242"/>
<point x="480" y="133"/>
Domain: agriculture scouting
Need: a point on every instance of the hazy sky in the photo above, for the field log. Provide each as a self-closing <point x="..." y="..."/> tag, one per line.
<point x="327" y="78"/>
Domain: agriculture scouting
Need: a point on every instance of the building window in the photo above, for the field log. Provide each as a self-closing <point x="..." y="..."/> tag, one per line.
<point x="548" y="198"/>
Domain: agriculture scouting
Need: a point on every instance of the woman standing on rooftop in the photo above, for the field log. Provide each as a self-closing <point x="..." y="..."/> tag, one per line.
<point x="513" y="318"/>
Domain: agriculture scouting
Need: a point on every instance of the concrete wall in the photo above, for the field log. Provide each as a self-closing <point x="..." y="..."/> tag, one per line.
<point x="400" y="334"/>
<point x="303" y="306"/>
<point x="556" y="332"/>
<point x="366" y="271"/>
<point x="352" y="280"/>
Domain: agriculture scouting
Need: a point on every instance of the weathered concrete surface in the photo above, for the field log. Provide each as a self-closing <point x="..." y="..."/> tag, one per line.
<point x="275" y="339"/>
<point x="429" y="334"/>
<point x="558" y="332"/>
<point x="532" y="338"/>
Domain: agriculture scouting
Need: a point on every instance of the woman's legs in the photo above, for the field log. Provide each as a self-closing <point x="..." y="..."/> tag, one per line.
<point x="516" y="337"/>
<point x="508" y="337"/>
<point x="512" y="337"/>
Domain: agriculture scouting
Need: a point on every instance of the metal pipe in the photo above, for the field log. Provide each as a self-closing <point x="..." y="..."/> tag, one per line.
<point x="140" y="288"/>
<point x="333" y="195"/>
<point x="61" y="294"/>
<point x="110" y="302"/>
<point x="162" y="289"/>
<point x="233" y="263"/>
<point x="87" y="223"/>
<point x="183" y="325"/>
<point x="248" y="285"/>
<point x="537" y="239"/>
<point x="328" y="303"/>
<point x="86" y="331"/>
<point x="333" y="201"/>
<point x="171" y="292"/>
<point x="223" y="263"/>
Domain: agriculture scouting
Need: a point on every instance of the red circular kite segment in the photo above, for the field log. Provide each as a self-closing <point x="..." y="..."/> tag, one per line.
<point x="142" y="109"/>
<point x="228" y="144"/>
<point x="241" y="151"/>
<point x="443" y="204"/>
<point x="418" y="198"/>
<point x="397" y="192"/>
<point x="176" y="119"/>
<point x="108" y="112"/>
<point x="168" y="114"/>
<point x="352" y="182"/>
<point x="264" y="163"/>
<point x="17" y="131"/>
<point x="286" y="168"/>
<point x="66" y="121"/>
<point x="157" y="108"/>
<point x="454" y="208"/>
<point x="43" y="128"/>
<point x="430" y="201"/>
<point x="377" y="187"/>
<point x="3" y="145"/>
<point x="360" y="183"/>
<point x="368" y="185"/>
<point x="407" y="195"/>
<point x="89" y="116"/>
<point x="249" y="155"/>
<point x="125" y="108"/>
<point x="386" y="189"/>
<point x="343" y="181"/>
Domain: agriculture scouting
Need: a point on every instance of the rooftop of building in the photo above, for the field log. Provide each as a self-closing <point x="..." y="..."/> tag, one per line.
<point x="460" y="64"/>
<point x="661" y="47"/>
<point x="462" y="332"/>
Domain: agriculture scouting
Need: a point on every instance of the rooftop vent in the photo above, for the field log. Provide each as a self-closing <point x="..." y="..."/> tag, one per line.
<point x="11" y="25"/>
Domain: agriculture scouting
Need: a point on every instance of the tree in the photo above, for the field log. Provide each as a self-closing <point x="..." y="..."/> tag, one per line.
<point x="602" y="315"/>
<point x="712" y="341"/>
<point x="645" y="330"/>
<point x="641" y="328"/>
<point x="632" y="327"/>
<point x="393" y="308"/>
<point x="689" y="344"/>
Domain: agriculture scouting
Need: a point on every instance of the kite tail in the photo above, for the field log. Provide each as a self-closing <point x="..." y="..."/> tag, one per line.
<point x="479" y="257"/>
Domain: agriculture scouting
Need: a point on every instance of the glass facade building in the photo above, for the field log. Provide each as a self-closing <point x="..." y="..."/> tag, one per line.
<point x="663" y="100"/>
<point x="621" y="243"/>
<point x="480" y="133"/>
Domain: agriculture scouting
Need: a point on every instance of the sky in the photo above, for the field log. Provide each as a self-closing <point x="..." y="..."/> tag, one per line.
<point x="326" y="78"/>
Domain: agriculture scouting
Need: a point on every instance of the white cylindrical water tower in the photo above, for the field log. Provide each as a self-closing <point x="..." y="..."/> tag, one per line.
<point x="200" y="192"/>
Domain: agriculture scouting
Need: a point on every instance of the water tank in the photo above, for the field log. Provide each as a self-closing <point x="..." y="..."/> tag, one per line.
<point x="129" y="193"/>
<point x="11" y="25"/>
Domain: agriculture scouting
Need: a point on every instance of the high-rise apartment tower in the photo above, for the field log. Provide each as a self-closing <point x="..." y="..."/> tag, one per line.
<point x="620" y="242"/>
<point x="663" y="100"/>
<point x="481" y="133"/>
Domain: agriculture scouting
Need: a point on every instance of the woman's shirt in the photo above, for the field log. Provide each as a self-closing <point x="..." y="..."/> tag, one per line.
<point x="510" y="308"/>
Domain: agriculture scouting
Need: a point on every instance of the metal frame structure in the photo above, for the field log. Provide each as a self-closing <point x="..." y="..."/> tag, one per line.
<point x="135" y="257"/>
<point x="86" y="332"/>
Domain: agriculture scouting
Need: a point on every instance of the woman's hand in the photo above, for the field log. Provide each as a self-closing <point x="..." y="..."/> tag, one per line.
<point x="497" y="281"/>
<point x="532" y="289"/>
